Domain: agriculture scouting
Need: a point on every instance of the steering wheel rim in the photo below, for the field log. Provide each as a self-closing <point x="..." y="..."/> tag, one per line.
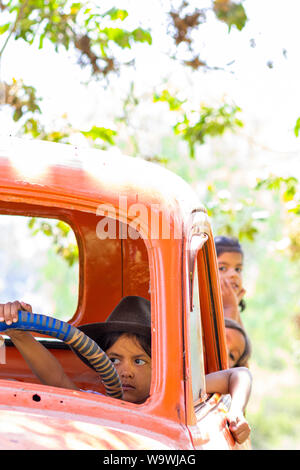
<point x="76" y="339"/>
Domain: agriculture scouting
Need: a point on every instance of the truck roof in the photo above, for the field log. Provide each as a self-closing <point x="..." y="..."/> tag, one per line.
<point x="87" y="177"/>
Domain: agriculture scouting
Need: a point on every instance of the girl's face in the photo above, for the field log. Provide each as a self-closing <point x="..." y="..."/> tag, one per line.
<point x="230" y="268"/>
<point x="235" y="345"/>
<point x="133" y="366"/>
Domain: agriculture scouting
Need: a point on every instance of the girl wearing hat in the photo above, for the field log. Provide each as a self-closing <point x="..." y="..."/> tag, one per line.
<point x="126" y="338"/>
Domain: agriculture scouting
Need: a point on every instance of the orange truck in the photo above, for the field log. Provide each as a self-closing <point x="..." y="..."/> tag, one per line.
<point x="140" y="230"/>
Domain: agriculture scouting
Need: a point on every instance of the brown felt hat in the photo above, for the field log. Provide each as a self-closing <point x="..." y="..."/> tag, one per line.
<point x="131" y="315"/>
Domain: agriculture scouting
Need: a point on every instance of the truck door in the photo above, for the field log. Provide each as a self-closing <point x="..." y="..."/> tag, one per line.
<point x="205" y="346"/>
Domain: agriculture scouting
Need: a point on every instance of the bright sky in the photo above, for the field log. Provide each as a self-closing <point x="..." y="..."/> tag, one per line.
<point x="269" y="97"/>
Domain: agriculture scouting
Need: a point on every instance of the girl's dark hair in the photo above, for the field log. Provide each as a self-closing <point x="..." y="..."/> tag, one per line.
<point x="229" y="245"/>
<point x="243" y="360"/>
<point x="109" y="339"/>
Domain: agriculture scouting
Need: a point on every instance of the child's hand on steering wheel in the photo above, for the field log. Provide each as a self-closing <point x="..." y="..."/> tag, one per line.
<point x="9" y="314"/>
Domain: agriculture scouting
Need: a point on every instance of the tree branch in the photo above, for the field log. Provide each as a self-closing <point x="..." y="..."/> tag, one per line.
<point x="19" y="16"/>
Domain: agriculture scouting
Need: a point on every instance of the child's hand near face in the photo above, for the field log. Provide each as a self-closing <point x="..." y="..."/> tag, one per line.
<point x="241" y="294"/>
<point x="229" y="296"/>
<point x="230" y="271"/>
<point x="230" y="300"/>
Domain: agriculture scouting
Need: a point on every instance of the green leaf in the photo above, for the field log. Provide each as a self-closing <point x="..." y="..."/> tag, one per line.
<point x="101" y="133"/>
<point x="4" y="28"/>
<point x="212" y="122"/>
<point x="116" y="14"/>
<point x="63" y="227"/>
<point x="233" y="14"/>
<point x="17" y="114"/>
<point x="297" y="127"/>
<point x="47" y="229"/>
<point x="31" y="222"/>
<point x="75" y="7"/>
<point x="173" y="102"/>
<point x="41" y="41"/>
<point x="142" y="35"/>
<point x="118" y="35"/>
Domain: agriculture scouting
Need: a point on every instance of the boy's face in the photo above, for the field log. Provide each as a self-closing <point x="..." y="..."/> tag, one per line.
<point x="235" y="345"/>
<point x="133" y="366"/>
<point x="230" y="268"/>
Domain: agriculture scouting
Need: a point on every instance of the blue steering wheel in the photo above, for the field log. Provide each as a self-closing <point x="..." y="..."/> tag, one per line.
<point x="75" y="338"/>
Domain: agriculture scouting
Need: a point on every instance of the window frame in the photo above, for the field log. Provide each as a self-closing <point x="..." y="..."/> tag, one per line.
<point x="12" y="212"/>
<point x="196" y="343"/>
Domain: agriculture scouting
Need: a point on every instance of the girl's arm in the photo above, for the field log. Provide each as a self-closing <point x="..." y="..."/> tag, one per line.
<point x="237" y="382"/>
<point x="42" y="363"/>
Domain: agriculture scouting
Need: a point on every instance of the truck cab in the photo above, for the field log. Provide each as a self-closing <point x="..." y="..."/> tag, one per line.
<point x="140" y="230"/>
